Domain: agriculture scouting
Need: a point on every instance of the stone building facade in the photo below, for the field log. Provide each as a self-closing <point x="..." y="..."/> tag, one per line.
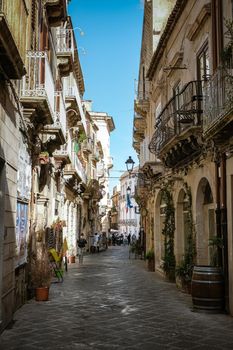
<point x="183" y="133"/>
<point x="49" y="183"/>
<point x="129" y="217"/>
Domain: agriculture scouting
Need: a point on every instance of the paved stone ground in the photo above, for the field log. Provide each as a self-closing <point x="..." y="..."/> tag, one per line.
<point x="111" y="302"/>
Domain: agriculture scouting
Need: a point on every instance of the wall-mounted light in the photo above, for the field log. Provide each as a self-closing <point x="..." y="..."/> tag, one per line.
<point x="128" y="190"/>
<point x="129" y="164"/>
<point x="80" y="30"/>
<point x="146" y="177"/>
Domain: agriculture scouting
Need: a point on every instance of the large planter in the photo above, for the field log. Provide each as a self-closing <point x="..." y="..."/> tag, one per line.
<point x="42" y="294"/>
<point x="207" y="288"/>
<point x="151" y="265"/>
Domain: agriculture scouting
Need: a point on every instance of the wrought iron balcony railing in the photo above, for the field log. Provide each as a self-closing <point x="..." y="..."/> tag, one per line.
<point x="142" y="89"/>
<point x="60" y="112"/>
<point x="87" y="146"/>
<point x="141" y="102"/>
<point x="62" y="153"/>
<point x="182" y="111"/>
<point x="218" y="101"/>
<point x="38" y="89"/>
<point x="72" y="97"/>
<point x="64" y="41"/>
<point x="76" y="167"/>
<point x="58" y="128"/>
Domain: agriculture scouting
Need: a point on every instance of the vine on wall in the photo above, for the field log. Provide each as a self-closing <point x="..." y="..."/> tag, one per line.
<point x="185" y="268"/>
<point x="169" y="261"/>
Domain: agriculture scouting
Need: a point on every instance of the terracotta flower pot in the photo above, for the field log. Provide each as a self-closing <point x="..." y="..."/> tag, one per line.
<point x="42" y="294"/>
<point x="72" y="259"/>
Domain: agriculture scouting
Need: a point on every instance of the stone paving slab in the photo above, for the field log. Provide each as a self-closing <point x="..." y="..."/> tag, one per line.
<point x="111" y="302"/>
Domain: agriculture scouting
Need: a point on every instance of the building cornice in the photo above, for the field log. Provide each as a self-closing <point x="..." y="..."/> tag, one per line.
<point x="171" y="22"/>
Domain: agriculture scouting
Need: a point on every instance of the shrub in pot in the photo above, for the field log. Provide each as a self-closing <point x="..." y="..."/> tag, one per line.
<point x="150" y="257"/>
<point x="41" y="273"/>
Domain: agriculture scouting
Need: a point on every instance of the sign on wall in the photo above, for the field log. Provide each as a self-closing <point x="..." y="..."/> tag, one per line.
<point x="24" y="171"/>
<point x="21" y="233"/>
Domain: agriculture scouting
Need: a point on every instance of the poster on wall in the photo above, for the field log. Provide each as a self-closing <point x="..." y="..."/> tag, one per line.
<point x="21" y="233"/>
<point x="24" y="171"/>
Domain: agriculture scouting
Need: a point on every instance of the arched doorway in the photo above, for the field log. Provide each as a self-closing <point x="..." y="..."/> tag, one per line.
<point x="205" y="223"/>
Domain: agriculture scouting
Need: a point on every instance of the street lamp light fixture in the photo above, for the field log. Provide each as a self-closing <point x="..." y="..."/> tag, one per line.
<point x="147" y="177"/>
<point x="128" y="190"/>
<point x="80" y="30"/>
<point x="129" y="164"/>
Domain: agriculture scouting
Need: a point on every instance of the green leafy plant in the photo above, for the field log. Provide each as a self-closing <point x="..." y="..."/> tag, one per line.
<point x="169" y="261"/>
<point x="150" y="255"/>
<point x="40" y="268"/>
<point x="184" y="269"/>
<point x="44" y="154"/>
<point x="81" y="137"/>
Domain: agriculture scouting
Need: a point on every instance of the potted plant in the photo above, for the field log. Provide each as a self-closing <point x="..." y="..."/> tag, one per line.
<point x="183" y="274"/>
<point x="81" y="137"/>
<point x="41" y="273"/>
<point x="71" y="251"/>
<point x="150" y="257"/>
<point x="44" y="157"/>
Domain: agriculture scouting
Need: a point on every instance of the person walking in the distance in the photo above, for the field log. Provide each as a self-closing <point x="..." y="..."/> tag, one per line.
<point x="129" y="238"/>
<point x="81" y="246"/>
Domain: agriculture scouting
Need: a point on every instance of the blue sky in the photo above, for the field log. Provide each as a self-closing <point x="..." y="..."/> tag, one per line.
<point x="112" y="41"/>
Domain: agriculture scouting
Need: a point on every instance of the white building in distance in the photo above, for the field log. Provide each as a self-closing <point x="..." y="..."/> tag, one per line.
<point x="105" y="125"/>
<point x="129" y="217"/>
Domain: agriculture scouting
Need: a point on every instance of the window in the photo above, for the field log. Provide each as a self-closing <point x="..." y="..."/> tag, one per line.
<point x="203" y="64"/>
<point x="157" y="111"/>
<point x="56" y="207"/>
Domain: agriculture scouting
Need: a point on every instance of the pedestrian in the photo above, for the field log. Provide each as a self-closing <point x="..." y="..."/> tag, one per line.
<point x="81" y="247"/>
<point x="134" y="239"/>
<point x="129" y="238"/>
<point x="96" y="242"/>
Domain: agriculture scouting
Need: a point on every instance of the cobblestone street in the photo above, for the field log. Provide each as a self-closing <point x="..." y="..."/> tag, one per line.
<point x="112" y="302"/>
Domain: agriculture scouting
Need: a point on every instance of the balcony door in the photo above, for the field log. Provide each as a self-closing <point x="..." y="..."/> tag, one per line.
<point x="203" y="63"/>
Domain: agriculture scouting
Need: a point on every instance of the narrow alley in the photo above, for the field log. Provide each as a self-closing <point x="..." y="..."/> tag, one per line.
<point x="113" y="302"/>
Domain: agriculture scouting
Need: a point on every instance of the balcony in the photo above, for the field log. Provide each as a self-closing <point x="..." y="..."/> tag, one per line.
<point x="65" y="50"/>
<point x="139" y="122"/>
<point x="100" y="170"/>
<point x="56" y="11"/>
<point x="62" y="155"/>
<point x="37" y="93"/>
<point x="179" y="125"/>
<point x="87" y="146"/>
<point x="95" y="157"/>
<point x="141" y="103"/>
<point x="12" y="42"/>
<point x="110" y="162"/>
<point x="136" y="146"/>
<point x="73" y="102"/>
<point x="75" y="169"/>
<point x="218" y="106"/>
<point x="138" y="135"/>
<point x="59" y="127"/>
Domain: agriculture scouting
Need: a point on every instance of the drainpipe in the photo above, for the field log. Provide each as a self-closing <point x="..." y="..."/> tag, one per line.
<point x="224" y="228"/>
<point x="217" y="210"/>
